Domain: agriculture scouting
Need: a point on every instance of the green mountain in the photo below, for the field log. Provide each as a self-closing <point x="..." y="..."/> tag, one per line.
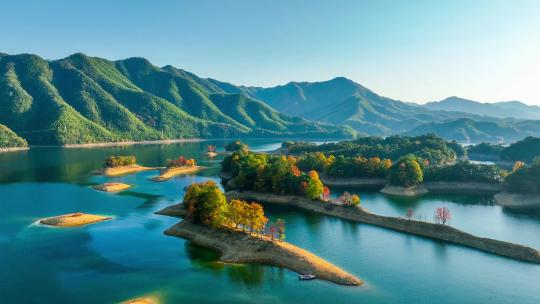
<point x="468" y="130"/>
<point x="503" y="109"/>
<point x="81" y="99"/>
<point x="9" y="139"/>
<point x="342" y="101"/>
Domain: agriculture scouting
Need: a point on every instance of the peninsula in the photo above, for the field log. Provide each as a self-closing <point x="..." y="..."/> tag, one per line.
<point x="235" y="230"/>
<point x="420" y="228"/>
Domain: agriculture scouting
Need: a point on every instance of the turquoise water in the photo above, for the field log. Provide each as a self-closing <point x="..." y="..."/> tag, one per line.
<point x="129" y="256"/>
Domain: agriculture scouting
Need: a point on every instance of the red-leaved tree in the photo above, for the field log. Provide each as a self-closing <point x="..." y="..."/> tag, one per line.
<point x="442" y="215"/>
<point x="410" y="213"/>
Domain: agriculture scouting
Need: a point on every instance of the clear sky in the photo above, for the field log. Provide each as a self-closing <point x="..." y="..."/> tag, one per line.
<point x="417" y="51"/>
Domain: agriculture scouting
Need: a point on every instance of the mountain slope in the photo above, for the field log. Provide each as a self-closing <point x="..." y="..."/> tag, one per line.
<point x="81" y="99"/>
<point x="342" y="101"/>
<point x="468" y="130"/>
<point x="8" y="138"/>
<point x="504" y="109"/>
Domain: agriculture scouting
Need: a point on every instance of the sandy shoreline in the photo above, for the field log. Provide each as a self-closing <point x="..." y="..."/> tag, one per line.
<point x="123" y="170"/>
<point x="73" y="219"/>
<point x="122" y="143"/>
<point x="111" y="187"/>
<point x="13" y="149"/>
<point x="168" y="173"/>
<point x="235" y="246"/>
<point x="420" y="228"/>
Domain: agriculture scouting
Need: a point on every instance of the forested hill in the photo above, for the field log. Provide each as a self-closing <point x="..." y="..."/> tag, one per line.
<point x="81" y="99"/>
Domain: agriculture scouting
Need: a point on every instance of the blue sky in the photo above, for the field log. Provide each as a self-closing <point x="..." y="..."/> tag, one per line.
<point x="415" y="51"/>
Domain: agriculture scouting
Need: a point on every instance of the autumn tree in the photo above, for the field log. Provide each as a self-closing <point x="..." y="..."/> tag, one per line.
<point x="314" y="185"/>
<point x="236" y="213"/>
<point x="326" y="193"/>
<point x="255" y="217"/>
<point x="442" y="215"/>
<point x="518" y="165"/>
<point x="406" y="172"/>
<point x="206" y="203"/>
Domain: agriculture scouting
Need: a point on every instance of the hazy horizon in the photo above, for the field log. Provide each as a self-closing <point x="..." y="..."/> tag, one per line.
<point x="415" y="52"/>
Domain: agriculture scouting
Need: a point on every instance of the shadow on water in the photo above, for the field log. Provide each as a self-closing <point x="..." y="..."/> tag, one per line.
<point x="250" y="275"/>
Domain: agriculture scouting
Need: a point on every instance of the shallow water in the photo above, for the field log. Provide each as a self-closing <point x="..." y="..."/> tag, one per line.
<point x="129" y="256"/>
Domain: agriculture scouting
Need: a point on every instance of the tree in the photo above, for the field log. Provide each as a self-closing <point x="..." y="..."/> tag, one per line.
<point x="255" y="217"/>
<point x="237" y="146"/>
<point x="237" y="212"/>
<point x="518" y="165"/>
<point x="206" y="204"/>
<point x="442" y="215"/>
<point x="410" y="213"/>
<point x="281" y="228"/>
<point x="355" y="200"/>
<point x="406" y="172"/>
<point x="314" y="186"/>
<point x="326" y="193"/>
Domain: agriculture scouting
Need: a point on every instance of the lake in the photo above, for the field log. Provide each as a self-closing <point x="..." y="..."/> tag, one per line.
<point x="130" y="256"/>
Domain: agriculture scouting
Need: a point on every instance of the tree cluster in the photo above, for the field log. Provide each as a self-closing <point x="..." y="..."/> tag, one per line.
<point x="407" y="172"/>
<point x="206" y="204"/>
<point x="524" y="150"/>
<point x="465" y="172"/>
<point x="524" y="179"/>
<point x="430" y="147"/>
<point x="267" y="173"/>
<point x="117" y="161"/>
<point x="181" y="162"/>
<point x="236" y="145"/>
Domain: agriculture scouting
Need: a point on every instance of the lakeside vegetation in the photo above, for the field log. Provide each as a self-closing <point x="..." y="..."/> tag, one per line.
<point x="523" y="179"/>
<point x="120" y="160"/>
<point x="466" y="172"/>
<point x="524" y="150"/>
<point x="429" y="147"/>
<point x="206" y="204"/>
<point x="8" y="139"/>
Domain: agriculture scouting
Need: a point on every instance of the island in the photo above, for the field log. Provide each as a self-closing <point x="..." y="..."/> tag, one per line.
<point x="73" y="219"/>
<point x="211" y="151"/>
<point x="112" y="187"/>
<point x="176" y="167"/>
<point x="121" y="165"/>
<point x="240" y="233"/>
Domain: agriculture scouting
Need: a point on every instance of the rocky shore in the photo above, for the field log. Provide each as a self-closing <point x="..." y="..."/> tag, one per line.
<point x="471" y="188"/>
<point x="425" y="229"/>
<point x="236" y="246"/>
<point x="404" y="191"/>
<point x="361" y="183"/>
<point x="516" y="200"/>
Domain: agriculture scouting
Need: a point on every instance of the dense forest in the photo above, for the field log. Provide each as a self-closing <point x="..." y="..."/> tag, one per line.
<point x="429" y="147"/>
<point x="82" y="99"/>
<point x="8" y="138"/>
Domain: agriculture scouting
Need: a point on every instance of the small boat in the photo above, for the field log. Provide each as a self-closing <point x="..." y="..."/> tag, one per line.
<point x="306" y="277"/>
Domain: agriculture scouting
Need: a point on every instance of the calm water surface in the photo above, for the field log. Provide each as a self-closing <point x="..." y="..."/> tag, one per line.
<point x="129" y="256"/>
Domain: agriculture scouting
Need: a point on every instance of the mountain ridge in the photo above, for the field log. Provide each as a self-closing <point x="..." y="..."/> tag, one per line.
<point x="83" y="99"/>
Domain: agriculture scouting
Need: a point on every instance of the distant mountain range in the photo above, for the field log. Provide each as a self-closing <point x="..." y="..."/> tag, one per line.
<point x="82" y="99"/>
<point x="341" y="101"/>
<point x="503" y="109"/>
